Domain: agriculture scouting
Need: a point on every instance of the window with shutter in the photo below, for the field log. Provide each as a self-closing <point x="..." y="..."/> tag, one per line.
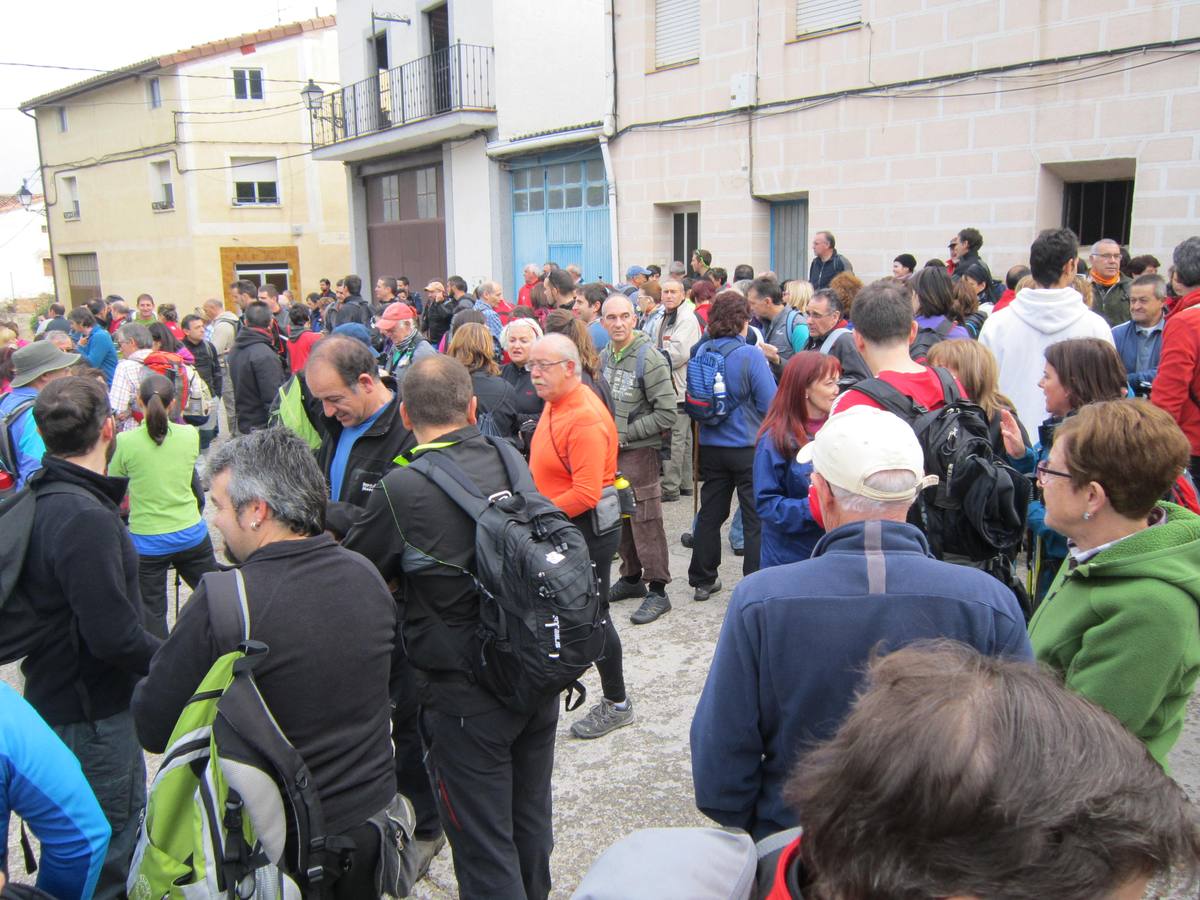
<point x="676" y="32"/>
<point x="813" y="16"/>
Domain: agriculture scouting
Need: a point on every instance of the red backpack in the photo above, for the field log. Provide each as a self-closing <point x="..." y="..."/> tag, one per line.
<point x="171" y="366"/>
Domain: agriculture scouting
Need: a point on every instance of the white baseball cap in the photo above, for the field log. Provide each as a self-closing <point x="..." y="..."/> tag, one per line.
<point x="853" y="445"/>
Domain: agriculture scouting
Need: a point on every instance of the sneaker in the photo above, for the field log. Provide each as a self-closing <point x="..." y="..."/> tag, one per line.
<point x="670" y="498"/>
<point x="738" y="551"/>
<point x="686" y="539"/>
<point x="601" y="719"/>
<point x="653" y="607"/>
<point x="704" y="591"/>
<point x="426" y="851"/>
<point x="626" y="590"/>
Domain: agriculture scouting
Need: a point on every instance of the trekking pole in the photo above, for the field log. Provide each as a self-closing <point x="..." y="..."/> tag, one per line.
<point x="695" y="469"/>
<point x="177" y="581"/>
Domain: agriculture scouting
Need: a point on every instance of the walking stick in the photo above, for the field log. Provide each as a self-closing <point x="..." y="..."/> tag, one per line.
<point x="695" y="469"/>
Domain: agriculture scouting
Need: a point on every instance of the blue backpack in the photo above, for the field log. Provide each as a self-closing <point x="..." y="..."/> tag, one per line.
<point x="706" y="399"/>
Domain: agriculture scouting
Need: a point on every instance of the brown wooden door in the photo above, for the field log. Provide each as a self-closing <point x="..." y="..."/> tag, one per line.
<point x="406" y="225"/>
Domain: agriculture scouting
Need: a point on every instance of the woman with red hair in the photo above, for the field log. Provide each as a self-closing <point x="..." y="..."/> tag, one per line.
<point x="807" y="389"/>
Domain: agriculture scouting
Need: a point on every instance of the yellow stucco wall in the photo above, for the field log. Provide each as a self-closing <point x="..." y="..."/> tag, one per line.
<point x="113" y="138"/>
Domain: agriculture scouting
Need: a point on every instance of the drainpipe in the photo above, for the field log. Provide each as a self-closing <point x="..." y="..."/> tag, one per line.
<point x="609" y="130"/>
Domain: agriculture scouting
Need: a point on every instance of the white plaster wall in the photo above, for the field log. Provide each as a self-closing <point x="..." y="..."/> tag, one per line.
<point x="549" y="64"/>
<point x="23" y="246"/>
<point x="470" y="225"/>
<point x="889" y="174"/>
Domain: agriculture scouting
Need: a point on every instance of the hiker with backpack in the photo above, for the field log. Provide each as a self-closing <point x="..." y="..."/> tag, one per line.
<point x="496" y="409"/>
<point x="934" y="309"/>
<point x="165" y="498"/>
<point x="829" y="332"/>
<point x="82" y="635"/>
<point x="487" y="717"/>
<point x="796" y="637"/>
<point x="256" y="367"/>
<point x="729" y="390"/>
<point x="135" y="343"/>
<point x="21" y="446"/>
<point x="644" y="401"/>
<point x="975" y="514"/>
<point x="677" y="335"/>
<point x="316" y="627"/>
<point x="785" y="331"/>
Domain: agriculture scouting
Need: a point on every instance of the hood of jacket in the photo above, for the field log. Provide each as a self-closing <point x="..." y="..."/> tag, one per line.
<point x="248" y="336"/>
<point x="1168" y="551"/>
<point x="1049" y="310"/>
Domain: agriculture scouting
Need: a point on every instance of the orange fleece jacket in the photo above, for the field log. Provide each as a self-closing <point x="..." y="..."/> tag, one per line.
<point x="573" y="456"/>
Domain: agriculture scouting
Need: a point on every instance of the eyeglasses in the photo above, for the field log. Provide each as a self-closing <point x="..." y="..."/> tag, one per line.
<point x="818" y="315"/>
<point x="1043" y="471"/>
<point x="539" y="366"/>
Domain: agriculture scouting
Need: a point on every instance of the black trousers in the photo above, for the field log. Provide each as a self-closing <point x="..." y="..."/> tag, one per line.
<point x="152" y="579"/>
<point x="492" y="776"/>
<point x="412" y="777"/>
<point x="611" y="665"/>
<point x="723" y="470"/>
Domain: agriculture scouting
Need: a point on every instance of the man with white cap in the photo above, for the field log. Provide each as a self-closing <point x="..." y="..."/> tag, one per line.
<point x="797" y="638"/>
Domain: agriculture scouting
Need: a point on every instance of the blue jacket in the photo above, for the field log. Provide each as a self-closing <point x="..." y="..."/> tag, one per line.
<point x="24" y="434"/>
<point x="795" y="643"/>
<point x="40" y="780"/>
<point x="750" y="385"/>
<point x="1126" y="339"/>
<point x="100" y="352"/>
<point x="781" y="497"/>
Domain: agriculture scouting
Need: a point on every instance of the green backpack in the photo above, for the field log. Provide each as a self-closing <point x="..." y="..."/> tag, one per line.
<point x="233" y="810"/>
<point x="287" y="410"/>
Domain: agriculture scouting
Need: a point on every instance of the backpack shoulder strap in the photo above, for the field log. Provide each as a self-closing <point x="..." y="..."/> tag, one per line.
<point x="832" y="338"/>
<point x="889" y="398"/>
<point x="944" y="328"/>
<point x="515" y="466"/>
<point x="13" y="414"/>
<point x="228" y="611"/>
<point x="950" y="392"/>
<point x="454" y="482"/>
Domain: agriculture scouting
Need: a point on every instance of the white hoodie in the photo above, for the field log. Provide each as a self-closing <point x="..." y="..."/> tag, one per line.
<point x="1019" y="334"/>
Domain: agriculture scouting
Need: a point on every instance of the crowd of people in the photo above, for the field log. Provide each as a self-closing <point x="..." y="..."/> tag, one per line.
<point x="901" y="450"/>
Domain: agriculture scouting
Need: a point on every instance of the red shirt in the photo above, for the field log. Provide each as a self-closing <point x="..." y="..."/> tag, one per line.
<point x="299" y="347"/>
<point x="1006" y="298"/>
<point x="923" y="387"/>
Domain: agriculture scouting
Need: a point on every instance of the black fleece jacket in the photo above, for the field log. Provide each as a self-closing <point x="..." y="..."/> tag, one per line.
<point x="82" y="568"/>
<point x="257" y="373"/>
<point x="330" y="624"/>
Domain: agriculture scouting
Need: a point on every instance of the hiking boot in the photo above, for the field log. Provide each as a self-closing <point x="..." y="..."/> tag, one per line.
<point x="686" y="539"/>
<point x="739" y="551"/>
<point x="427" y="849"/>
<point x="601" y="719"/>
<point x="704" y="591"/>
<point x="685" y="492"/>
<point x="626" y="590"/>
<point x="653" y="607"/>
<point x="670" y="498"/>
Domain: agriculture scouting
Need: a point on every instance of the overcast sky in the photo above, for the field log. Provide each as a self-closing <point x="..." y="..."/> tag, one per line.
<point x="105" y="36"/>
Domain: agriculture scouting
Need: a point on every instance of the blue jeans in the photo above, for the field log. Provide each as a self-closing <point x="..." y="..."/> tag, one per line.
<point x="112" y="762"/>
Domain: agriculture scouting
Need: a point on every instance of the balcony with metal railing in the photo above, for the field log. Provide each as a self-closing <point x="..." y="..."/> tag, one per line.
<point x="454" y="85"/>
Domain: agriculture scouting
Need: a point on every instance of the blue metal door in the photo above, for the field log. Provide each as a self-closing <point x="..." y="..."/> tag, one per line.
<point x="560" y="214"/>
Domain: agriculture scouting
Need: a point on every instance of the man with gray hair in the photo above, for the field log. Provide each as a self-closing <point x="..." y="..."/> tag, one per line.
<point x="1110" y="289"/>
<point x="532" y="274"/>
<point x="798" y="637"/>
<point x="1178" y="381"/>
<point x="134" y="343"/>
<point x="677" y="269"/>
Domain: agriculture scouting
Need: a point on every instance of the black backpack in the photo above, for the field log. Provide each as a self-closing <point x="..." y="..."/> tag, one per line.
<point x="978" y="507"/>
<point x="927" y="337"/>
<point x="9" y="470"/>
<point x="541" y="622"/>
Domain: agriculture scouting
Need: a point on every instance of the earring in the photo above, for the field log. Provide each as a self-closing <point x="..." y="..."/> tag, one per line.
<point x="1087" y="516"/>
<point x="254" y="525"/>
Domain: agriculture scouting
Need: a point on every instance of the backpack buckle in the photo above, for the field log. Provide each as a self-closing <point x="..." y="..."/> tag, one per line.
<point x="498" y="496"/>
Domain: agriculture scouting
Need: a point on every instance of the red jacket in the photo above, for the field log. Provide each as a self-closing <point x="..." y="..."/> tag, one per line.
<point x="1177" y="386"/>
<point x="525" y="295"/>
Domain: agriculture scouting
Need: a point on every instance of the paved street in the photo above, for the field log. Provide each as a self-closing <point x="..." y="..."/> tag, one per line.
<point x="640" y="776"/>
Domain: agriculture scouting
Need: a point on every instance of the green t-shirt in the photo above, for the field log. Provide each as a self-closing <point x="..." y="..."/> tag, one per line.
<point x="160" y="478"/>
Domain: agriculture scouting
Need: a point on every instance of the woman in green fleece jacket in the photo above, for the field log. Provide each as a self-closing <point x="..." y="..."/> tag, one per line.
<point x="1121" y="620"/>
